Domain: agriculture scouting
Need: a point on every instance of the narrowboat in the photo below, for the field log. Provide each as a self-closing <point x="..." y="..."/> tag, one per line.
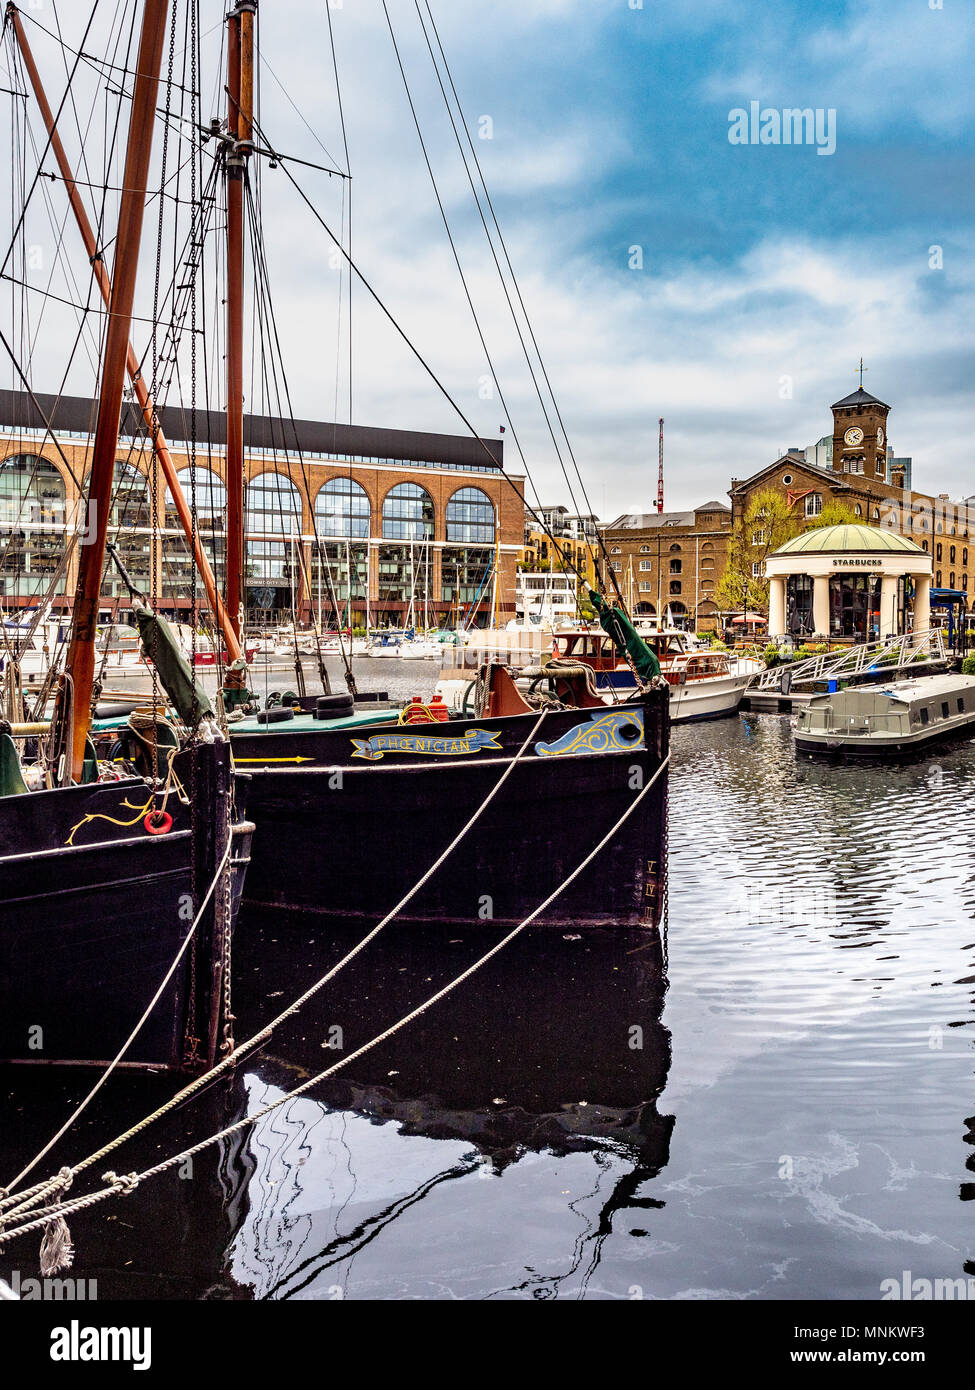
<point x="891" y="720"/>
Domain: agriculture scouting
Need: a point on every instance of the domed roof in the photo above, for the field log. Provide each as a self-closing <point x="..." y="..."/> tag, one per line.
<point x="833" y="539"/>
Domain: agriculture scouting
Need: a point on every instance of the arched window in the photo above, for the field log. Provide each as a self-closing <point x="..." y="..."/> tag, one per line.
<point x="951" y="554"/>
<point x="33" y="512"/>
<point x="408" y="513"/>
<point x="342" y="509"/>
<point x="130" y="497"/>
<point x="32" y="492"/>
<point x="616" y="550"/>
<point x="937" y="552"/>
<point x="211" y="499"/>
<point x="273" y="506"/>
<point x="951" y="580"/>
<point x="644" y="550"/>
<point x="211" y="521"/>
<point x="470" y="518"/>
<point x="675" y="546"/>
<point x="130" y="525"/>
<point x="858" y="510"/>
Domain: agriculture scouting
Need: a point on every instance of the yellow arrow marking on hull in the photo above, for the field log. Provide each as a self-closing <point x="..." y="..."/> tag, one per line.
<point x="273" y="760"/>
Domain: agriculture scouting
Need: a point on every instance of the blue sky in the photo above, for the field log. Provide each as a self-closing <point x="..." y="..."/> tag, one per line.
<point x="610" y="130"/>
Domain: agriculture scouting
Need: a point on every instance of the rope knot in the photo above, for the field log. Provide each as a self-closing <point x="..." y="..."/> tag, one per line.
<point x="123" y="1183"/>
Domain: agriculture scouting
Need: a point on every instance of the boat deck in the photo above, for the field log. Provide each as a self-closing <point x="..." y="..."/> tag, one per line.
<point x="308" y="724"/>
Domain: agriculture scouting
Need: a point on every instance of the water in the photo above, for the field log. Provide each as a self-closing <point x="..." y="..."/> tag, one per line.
<point x="772" y="1103"/>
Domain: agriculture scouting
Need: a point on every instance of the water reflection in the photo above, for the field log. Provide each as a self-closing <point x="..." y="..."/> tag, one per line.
<point x="806" y="1136"/>
<point x="170" y="1238"/>
<point x="555" y="1048"/>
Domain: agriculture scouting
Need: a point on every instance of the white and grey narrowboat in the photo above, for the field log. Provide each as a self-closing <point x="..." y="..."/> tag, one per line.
<point x="880" y="721"/>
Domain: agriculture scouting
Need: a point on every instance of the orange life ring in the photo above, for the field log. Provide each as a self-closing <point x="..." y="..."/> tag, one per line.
<point x="158" y="823"/>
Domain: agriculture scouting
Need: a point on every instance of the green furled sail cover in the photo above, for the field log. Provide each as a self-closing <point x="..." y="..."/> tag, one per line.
<point x="188" y="696"/>
<point x="626" y="638"/>
<point x="11" y="777"/>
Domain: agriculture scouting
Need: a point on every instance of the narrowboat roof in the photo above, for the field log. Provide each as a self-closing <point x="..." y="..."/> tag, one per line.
<point x="906" y="692"/>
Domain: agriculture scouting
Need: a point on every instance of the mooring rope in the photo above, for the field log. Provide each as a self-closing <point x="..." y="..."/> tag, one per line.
<point x="20" y="1202"/>
<point x="126" y="1183"/>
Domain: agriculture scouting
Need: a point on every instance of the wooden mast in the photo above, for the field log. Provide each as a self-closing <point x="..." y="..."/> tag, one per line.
<point x="81" y="653"/>
<point x="240" y="107"/>
<point x="132" y="362"/>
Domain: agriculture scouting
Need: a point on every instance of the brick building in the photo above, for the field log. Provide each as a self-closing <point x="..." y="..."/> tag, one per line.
<point x="671" y="560"/>
<point x="856" y="467"/>
<point x="396" y="524"/>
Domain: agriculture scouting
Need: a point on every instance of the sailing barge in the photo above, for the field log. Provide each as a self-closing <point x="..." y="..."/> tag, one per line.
<point x="357" y="811"/>
<point x="348" y="818"/>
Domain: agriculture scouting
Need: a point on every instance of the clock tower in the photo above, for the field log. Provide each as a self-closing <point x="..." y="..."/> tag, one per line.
<point x="860" y="435"/>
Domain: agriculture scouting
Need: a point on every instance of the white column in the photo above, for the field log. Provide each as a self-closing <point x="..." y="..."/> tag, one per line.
<point x="821" y="604"/>
<point x="776" y="606"/>
<point x="888" y="605"/>
<point x="922" y="603"/>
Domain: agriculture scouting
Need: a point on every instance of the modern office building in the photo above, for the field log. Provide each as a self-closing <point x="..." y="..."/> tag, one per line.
<point x="387" y="526"/>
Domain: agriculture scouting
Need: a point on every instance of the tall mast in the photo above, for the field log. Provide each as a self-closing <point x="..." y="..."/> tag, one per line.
<point x="131" y="361"/>
<point x="240" y="110"/>
<point x="81" y="653"/>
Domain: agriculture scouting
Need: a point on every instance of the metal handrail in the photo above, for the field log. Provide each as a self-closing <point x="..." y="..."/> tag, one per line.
<point x="908" y="649"/>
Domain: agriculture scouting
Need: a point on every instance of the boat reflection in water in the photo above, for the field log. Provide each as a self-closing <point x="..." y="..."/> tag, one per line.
<point x="168" y="1239"/>
<point x="542" y="1072"/>
<point x="556" y="1046"/>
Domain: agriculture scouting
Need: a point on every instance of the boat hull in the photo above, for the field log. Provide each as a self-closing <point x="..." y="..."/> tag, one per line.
<point x="873" y="747"/>
<point x="349" y="832"/>
<point x="714" y="697"/>
<point x="93" y="910"/>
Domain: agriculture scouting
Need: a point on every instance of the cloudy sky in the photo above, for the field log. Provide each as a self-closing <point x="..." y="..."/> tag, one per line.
<point x="730" y="288"/>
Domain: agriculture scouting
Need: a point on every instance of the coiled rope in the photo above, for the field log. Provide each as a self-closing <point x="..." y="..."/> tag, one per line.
<point x="127" y="1182"/>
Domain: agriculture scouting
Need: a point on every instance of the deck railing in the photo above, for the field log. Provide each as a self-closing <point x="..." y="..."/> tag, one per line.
<point x="890" y="655"/>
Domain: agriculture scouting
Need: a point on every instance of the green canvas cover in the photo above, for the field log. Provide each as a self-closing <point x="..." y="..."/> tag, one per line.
<point x="627" y="640"/>
<point x="188" y="696"/>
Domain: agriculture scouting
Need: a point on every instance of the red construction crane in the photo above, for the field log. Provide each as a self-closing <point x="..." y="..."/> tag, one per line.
<point x="660" y="470"/>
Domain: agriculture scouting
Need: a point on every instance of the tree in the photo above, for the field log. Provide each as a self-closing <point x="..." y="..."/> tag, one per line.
<point x="767" y="524"/>
<point x="834" y="514"/>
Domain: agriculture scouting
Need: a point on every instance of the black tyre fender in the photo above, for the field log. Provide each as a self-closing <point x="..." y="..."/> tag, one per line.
<point x="278" y="715"/>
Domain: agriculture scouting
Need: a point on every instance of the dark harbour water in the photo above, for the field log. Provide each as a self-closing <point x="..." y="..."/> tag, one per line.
<point x="771" y="1101"/>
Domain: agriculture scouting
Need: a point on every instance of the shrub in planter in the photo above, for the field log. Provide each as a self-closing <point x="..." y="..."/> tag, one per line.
<point x="968" y="666"/>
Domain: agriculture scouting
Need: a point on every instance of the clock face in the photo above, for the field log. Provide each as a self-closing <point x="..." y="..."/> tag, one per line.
<point x="880" y="439"/>
<point x="853" y="436"/>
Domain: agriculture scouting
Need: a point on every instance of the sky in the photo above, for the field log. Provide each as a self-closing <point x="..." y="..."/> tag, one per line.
<point x="730" y="288"/>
